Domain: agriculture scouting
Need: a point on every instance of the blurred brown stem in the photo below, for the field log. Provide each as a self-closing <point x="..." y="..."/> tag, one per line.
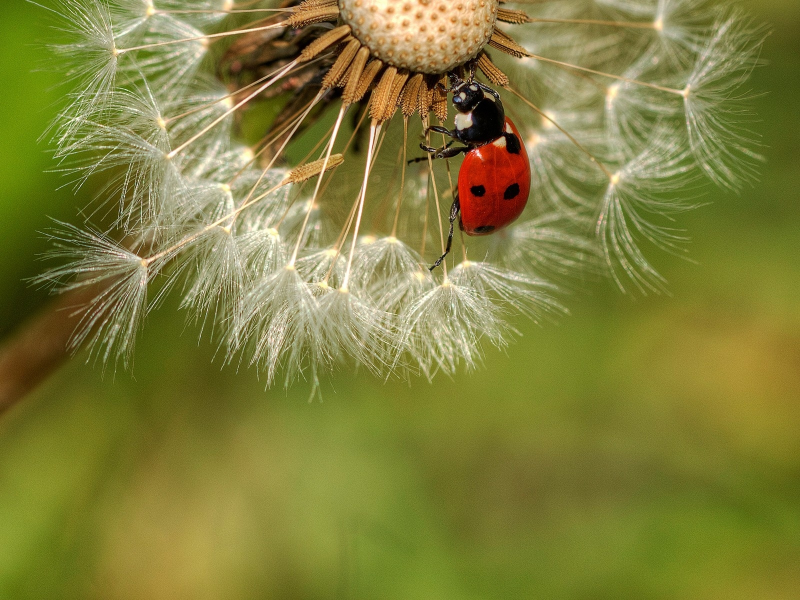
<point x="39" y="346"/>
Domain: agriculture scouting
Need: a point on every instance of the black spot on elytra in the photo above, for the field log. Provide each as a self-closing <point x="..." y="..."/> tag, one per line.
<point x="477" y="190"/>
<point x="513" y="145"/>
<point x="511" y="192"/>
<point x="484" y="229"/>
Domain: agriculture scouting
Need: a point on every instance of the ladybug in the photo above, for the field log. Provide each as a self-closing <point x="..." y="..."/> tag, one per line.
<point x="495" y="178"/>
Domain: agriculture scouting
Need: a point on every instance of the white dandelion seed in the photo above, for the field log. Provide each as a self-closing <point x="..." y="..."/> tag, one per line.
<point x="260" y="157"/>
<point x="715" y="102"/>
<point x="640" y="191"/>
<point x="443" y="327"/>
<point x="110" y="321"/>
<point x="281" y="325"/>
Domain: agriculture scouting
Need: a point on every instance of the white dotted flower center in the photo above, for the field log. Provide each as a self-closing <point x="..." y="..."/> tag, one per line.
<point x="425" y="36"/>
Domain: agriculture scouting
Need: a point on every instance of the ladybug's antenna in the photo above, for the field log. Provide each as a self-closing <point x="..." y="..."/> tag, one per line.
<point x="455" y="80"/>
<point x="473" y="67"/>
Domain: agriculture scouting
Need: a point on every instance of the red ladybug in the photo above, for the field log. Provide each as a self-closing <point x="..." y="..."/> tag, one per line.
<point x="495" y="178"/>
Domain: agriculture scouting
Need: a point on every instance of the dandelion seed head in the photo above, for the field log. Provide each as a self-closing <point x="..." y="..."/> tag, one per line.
<point x="263" y="163"/>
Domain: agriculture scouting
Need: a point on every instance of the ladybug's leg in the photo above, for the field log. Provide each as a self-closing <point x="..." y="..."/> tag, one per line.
<point x="443" y="152"/>
<point x="442" y="130"/>
<point x="432" y="150"/>
<point x="429" y="150"/>
<point x="444" y="88"/>
<point x="446" y="152"/>
<point x="454" y="210"/>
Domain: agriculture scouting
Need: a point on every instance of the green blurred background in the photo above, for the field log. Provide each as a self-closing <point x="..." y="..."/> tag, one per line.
<point x="640" y="449"/>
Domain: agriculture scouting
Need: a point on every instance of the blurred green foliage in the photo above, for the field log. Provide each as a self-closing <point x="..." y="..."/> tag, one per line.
<point x="641" y="449"/>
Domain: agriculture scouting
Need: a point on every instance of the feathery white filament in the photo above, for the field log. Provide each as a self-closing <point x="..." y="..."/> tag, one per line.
<point x="374" y="130"/>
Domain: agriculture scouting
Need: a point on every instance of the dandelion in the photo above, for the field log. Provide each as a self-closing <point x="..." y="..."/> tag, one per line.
<point x="259" y="160"/>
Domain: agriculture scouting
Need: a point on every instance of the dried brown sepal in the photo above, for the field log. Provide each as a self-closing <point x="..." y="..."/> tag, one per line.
<point x="308" y="14"/>
<point x="516" y="17"/>
<point x="312" y="169"/>
<point x="439" y="100"/>
<point x="425" y="98"/>
<point x="409" y="99"/>
<point x="367" y="77"/>
<point x="400" y="79"/>
<point x="380" y="95"/>
<point x="307" y="4"/>
<point x="353" y="75"/>
<point x="322" y="43"/>
<point x="490" y="70"/>
<point x="504" y="43"/>
<point x="337" y="72"/>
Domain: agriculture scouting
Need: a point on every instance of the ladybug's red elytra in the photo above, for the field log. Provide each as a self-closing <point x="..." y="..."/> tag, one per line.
<point x="495" y="178"/>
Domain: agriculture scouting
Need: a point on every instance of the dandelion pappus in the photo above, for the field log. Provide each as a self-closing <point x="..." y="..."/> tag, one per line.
<point x="495" y="178"/>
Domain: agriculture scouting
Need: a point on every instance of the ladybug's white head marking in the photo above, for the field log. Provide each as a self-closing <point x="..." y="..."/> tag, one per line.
<point x="500" y="142"/>
<point x="508" y="128"/>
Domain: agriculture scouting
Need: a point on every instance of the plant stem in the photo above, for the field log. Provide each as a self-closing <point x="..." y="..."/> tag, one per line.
<point x="39" y="346"/>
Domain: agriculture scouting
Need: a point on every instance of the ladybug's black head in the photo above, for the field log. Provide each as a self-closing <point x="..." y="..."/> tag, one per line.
<point x="466" y="96"/>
